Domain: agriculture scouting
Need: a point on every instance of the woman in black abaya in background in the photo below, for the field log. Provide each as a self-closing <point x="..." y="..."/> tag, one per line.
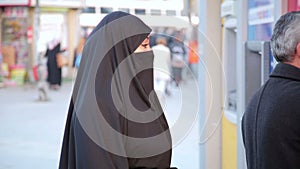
<point x="115" y="120"/>
<point x="54" y="72"/>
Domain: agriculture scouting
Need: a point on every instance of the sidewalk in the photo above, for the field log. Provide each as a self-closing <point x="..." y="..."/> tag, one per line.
<point x="31" y="131"/>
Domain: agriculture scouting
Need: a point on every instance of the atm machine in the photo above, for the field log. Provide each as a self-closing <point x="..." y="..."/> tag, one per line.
<point x="244" y="73"/>
<point x="257" y="64"/>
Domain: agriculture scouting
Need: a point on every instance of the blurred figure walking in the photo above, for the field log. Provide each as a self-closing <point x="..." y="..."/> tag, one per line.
<point x="78" y="53"/>
<point x="177" y="58"/>
<point x="54" y="72"/>
<point x="41" y="70"/>
<point x="193" y="58"/>
<point x="162" y="60"/>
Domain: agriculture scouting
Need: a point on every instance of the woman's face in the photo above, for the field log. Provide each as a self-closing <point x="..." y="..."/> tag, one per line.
<point x="144" y="46"/>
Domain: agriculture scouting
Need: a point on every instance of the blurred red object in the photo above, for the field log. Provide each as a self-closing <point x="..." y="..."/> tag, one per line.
<point x="35" y="72"/>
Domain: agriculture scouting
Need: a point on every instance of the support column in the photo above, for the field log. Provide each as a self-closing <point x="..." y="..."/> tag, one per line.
<point x="73" y="36"/>
<point x="242" y="23"/>
<point x="210" y="83"/>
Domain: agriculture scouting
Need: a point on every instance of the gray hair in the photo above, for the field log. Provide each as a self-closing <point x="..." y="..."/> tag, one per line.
<point x="286" y="36"/>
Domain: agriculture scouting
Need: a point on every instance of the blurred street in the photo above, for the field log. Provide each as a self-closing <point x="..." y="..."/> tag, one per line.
<point x="31" y="131"/>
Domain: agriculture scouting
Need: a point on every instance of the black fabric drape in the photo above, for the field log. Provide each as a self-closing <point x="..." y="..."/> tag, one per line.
<point x="108" y="124"/>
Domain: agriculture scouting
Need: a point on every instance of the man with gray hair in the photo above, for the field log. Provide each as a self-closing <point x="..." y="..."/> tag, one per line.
<point x="271" y="123"/>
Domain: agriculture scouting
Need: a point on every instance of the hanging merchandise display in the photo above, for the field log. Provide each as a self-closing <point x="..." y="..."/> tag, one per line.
<point x="14" y="34"/>
<point x="14" y="28"/>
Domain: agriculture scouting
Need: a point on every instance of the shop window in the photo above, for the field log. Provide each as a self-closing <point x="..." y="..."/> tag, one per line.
<point x="184" y="13"/>
<point x="124" y="9"/>
<point x="88" y="10"/>
<point x="171" y="13"/>
<point x="155" y="12"/>
<point x="140" y="11"/>
<point x="106" y="10"/>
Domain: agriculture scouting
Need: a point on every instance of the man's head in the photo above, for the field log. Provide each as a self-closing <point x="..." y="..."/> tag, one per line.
<point x="285" y="41"/>
<point x="161" y="40"/>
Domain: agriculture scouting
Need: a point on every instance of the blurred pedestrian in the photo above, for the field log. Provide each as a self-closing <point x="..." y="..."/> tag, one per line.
<point x="115" y="119"/>
<point x="178" y="53"/>
<point x="162" y="61"/>
<point x="54" y="71"/>
<point x="78" y="52"/>
<point x="270" y="125"/>
<point x="193" y="57"/>
<point x="42" y="78"/>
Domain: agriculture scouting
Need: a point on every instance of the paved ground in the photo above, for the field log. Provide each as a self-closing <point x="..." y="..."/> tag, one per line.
<point x="31" y="131"/>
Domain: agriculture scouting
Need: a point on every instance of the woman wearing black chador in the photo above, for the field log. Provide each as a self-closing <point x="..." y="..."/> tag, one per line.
<point x="54" y="76"/>
<point x="115" y="120"/>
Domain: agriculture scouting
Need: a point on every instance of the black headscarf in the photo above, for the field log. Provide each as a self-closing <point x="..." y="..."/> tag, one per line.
<point x="115" y="120"/>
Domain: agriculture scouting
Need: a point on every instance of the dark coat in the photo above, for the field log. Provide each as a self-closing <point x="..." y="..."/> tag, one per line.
<point x="271" y="123"/>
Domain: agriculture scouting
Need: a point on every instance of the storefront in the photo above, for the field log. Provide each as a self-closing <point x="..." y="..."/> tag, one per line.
<point x="59" y="20"/>
<point x="24" y="33"/>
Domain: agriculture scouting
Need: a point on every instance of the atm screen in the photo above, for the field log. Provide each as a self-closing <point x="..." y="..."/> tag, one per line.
<point x="257" y="66"/>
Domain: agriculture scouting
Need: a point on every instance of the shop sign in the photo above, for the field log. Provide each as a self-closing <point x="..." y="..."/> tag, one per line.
<point x="61" y="3"/>
<point x="228" y="8"/>
<point x="14" y="2"/>
<point x="261" y="15"/>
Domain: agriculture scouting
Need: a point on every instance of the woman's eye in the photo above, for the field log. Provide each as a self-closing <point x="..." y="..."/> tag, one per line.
<point x="145" y="45"/>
